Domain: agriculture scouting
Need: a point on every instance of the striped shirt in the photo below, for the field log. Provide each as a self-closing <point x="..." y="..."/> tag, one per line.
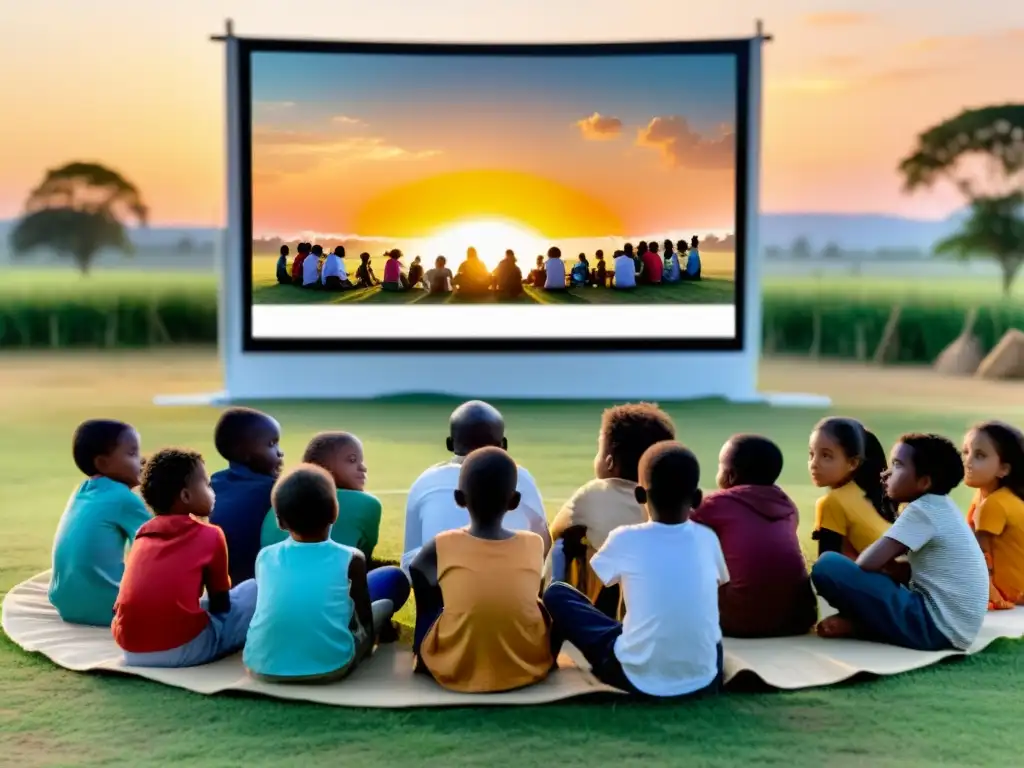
<point x="946" y="564"/>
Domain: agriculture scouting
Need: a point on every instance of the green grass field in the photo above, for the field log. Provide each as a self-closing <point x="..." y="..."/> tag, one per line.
<point x="717" y="287"/>
<point x="25" y="282"/>
<point x="963" y="713"/>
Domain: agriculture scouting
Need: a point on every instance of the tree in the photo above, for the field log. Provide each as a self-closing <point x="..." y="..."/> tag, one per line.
<point x="801" y="248"/>
<point x="77" y="211"/>
<point x="831" y="251"/>
<point x="995" y="229"/>
<point x="995" y="135"/>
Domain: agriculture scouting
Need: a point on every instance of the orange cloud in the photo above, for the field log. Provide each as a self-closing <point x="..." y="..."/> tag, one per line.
<point x="346" y="120"/>
<point x="682" y="147"/>
<point x="279" y="152"/>
<point x="840" y="61"/>
<point x="838" y="19"/>
<point x="949" y="42"/>
<point x="600" y="127"/>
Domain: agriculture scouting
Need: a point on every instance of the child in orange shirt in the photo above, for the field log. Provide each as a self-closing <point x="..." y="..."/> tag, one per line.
<point x="993" y="455"/>
<point x="480" y="625"/>
<point x="849" y="460"/>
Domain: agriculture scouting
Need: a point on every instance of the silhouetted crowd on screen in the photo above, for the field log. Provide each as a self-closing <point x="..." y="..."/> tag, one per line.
<point x="645" y="265"/>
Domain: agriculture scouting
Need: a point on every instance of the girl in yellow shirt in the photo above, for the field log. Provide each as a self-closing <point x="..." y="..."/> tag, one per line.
<point x="849" y="460"/>
<point x="994" y="465"/>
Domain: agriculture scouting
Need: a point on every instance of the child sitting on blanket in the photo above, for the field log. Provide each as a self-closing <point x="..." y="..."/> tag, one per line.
<point x="431" y="508"/>
<point x="769" y="591"/>
<point x="160" y="620"/>
<point x="670" y="569"/>
<point x="250" y="441"/>
<point x="994" y="465"/>
<point x="317" y="611"/>
<point x="848" y="460"/>
<point x="582" y="525"/>
<point x="101" y="518"/>
<point x="480" y="627"/>
<point x="358" y="523"/>
<point x="942" y="606"/>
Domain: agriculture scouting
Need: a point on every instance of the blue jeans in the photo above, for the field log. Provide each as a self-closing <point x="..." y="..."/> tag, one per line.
<point x="575" y="620"/>
<point x="224" y="635"/>
<point x="388" y="583"/>
<point x="881" y="609"/>
<point x="558" y="563"/>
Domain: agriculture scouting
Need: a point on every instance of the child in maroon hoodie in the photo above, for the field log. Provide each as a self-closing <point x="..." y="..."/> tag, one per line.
<point x="769" y="592"/>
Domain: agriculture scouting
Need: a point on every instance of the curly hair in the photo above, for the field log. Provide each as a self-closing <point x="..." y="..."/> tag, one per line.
<point x="629" y="430"/>
<point x="937" y="458"/>
<point x="165" y="475"/>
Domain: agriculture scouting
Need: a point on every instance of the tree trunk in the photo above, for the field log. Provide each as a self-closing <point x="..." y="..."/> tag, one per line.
<point x="1010" y="266"/>
<point x="84" y="261"/>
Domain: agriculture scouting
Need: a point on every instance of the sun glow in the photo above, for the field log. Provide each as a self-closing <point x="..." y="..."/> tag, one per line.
<point x="490" y="237"/>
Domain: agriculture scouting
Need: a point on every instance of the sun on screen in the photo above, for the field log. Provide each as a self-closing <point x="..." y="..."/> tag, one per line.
<point x="490" y="237"/>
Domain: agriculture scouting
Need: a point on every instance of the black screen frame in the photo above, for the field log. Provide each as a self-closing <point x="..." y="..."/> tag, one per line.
<point x="739" y="48"/>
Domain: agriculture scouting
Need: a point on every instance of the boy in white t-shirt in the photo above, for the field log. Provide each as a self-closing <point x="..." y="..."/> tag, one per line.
<point x="670" y="569"/>
<point x="431" y="507"/>
<point x="940" y="602"/>
<point x="554" y="270"/>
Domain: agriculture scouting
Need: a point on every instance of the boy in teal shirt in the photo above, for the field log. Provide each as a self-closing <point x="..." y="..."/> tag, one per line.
<point x="358" y="523"/>
<point x="100" y="521"/>
<point x="318" y="611"/>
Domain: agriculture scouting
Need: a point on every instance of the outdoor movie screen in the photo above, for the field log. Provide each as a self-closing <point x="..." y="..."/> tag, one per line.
<point x="518" y="197"/>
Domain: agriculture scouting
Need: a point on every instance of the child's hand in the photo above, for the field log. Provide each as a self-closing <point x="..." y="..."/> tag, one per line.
<point x="996" y="601"/>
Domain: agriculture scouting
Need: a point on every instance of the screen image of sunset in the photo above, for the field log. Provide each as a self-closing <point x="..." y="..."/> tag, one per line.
<point x="435" y="154"/>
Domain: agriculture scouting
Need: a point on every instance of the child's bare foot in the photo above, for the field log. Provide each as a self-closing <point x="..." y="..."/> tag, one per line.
<point x="835" y="627"/>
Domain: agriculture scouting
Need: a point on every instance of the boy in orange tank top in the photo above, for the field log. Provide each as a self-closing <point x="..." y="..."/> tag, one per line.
<point x="480" y="626"/>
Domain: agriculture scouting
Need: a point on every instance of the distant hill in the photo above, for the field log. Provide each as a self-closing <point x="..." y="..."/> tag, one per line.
<point x="866" y="232"/>
<point x="848" y="231"/>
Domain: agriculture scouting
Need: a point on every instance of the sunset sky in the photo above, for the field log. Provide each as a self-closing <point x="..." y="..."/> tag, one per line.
<point x="848" y="86"/>
<point x="567" y="147"/>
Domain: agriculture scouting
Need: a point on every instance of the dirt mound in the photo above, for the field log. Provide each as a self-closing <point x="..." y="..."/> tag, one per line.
<point x="961" y="358"/>
<point x="1006" y="361"/>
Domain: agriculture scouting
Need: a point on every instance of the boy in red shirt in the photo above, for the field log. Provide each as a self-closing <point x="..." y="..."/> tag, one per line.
<point x="303" y="252"/>
<point x="161" y="618"/>
<point x="769" y="591"/>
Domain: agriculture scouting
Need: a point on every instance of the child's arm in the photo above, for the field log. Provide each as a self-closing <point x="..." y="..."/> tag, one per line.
<point x="132" y="516"/>
<point x="215" y="575"/>
<point x="989" y="521"/>
<point x="359" y="591"/>
<point x="880" y="555"/>
<point x="425" y="587"/>
<point x="829" y="526"/>
<point x="371" y="530"/>
<point x="996" y="601"/>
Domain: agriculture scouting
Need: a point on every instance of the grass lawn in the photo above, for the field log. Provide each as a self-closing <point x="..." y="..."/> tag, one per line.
<point x="717" y="287"/>
<point x="50" y="717"/>
<point x="27" y="283"/>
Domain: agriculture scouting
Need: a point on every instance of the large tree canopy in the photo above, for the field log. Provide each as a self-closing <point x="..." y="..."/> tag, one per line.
<point x="993" y="133"/>
<point x="78" y="210"/>
<point x="995" y="137"/>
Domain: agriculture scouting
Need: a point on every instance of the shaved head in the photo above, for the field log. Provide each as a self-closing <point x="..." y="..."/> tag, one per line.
<point x="475" y="424"/>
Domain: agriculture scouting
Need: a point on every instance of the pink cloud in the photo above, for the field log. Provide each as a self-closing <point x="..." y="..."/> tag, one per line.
<point x="683" y="147"/>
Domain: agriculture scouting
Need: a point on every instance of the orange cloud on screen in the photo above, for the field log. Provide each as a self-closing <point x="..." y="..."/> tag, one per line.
<point x="683" y="147"/>
<point x="599" y="127"/>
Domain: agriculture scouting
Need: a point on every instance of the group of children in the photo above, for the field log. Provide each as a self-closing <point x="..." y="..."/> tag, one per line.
<point x="640" y="571"/>
<point x="644" y="266"/>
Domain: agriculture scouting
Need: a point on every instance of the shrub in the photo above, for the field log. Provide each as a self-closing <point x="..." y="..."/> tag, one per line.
<point x="132" y="314"/>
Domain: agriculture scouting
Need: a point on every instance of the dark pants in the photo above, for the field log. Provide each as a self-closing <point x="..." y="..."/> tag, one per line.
<point x="335" y="283"/>
<point x="388" y="583"/>
<point x="575" y="620"/>
<point x="881" y="609"/>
